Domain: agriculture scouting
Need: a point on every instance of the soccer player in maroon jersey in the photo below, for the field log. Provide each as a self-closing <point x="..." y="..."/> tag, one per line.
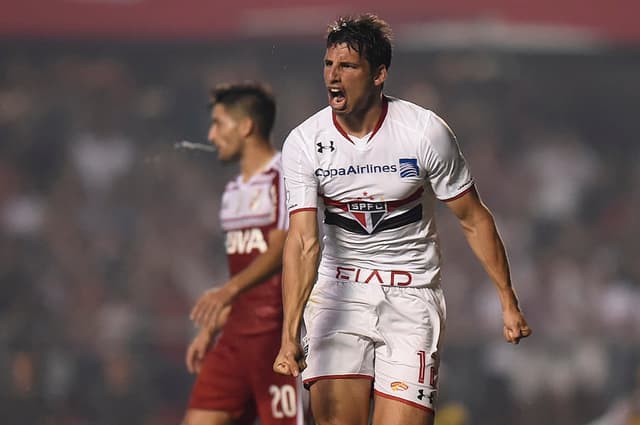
<point x="235" y="381"/>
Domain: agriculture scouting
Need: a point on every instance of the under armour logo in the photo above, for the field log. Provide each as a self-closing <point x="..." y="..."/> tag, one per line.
<point x="431" y="396"/>
<point x="322" y="147"/>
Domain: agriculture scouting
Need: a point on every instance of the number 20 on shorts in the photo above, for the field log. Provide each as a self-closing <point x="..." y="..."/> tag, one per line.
<point x="283" y="401"/>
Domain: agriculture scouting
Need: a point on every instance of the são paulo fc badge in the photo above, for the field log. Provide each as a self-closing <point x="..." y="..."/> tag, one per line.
<point x="368" y="214"/>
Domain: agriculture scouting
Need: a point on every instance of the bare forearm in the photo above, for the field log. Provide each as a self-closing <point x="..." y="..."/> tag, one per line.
<point x="484" y="239"/>
<point x="300" y="268"/>
<point x="265" y="265"/>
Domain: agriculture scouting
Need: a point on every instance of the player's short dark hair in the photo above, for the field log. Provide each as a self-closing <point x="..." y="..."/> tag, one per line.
<point x="255" y="100"/>
<point x="367" y="34"/>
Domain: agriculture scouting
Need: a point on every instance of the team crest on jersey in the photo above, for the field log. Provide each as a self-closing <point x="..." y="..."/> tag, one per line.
<point x="409" y="167"/>
<point x="368" y="214"/>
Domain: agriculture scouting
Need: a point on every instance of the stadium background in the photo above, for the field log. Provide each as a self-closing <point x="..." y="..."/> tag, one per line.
<point x="108" y="235"/>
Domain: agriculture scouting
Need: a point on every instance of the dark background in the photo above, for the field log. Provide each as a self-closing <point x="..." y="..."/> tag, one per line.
<point x="108" y="234"/>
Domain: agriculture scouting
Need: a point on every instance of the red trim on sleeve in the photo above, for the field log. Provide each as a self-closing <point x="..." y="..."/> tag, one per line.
<point x="402" y="400"/>
<point x="459" y="195"/>
<point x="301" y="210"/>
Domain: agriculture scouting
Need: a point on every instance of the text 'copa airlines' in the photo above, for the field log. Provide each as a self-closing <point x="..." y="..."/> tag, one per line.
<point x="356" y="169"/>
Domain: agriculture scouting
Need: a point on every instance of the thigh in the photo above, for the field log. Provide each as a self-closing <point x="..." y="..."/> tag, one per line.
<point x="396" y="412"/>
<point x="407" y="362"/>
<point x="341" y="401"/>
<point x="338" y="320"/>
<point x="222" y="385"/>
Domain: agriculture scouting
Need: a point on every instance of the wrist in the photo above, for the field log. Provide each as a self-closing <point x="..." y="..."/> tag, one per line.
<point x="209" y="330"/>
<point x="509" y="300"/>
<point x="290" y="335"/>
<point x="231" y="290"/>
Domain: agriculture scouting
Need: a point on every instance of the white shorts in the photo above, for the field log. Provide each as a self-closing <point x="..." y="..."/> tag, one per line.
<point x="388" y="334"/>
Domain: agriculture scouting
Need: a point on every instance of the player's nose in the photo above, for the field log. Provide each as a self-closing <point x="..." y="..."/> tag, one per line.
<point x="333" y="72"/>
<point x="211" y="136"/>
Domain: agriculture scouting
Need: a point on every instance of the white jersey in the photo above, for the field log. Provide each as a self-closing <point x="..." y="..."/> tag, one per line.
<point x="378" y="192"/>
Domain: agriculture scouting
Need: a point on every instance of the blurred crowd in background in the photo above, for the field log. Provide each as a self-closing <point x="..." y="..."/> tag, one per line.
<point x="108" y="234"/>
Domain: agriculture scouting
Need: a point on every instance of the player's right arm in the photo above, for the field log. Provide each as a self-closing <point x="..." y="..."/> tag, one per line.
<point x="301" y="248"/>
<point x="301" y="252"/>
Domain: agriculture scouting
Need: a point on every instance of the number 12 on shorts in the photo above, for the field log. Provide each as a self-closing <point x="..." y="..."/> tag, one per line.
<point x="433" y="372"/>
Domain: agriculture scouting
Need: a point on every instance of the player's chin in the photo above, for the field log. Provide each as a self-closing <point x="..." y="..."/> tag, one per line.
<point x="340" y="110"/>
<point x="225" y="157"/>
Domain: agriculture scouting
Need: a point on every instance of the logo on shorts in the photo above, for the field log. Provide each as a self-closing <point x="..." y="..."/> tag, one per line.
<point x="399" y="386"/>
<point x="432" y="396"/>
<point x="409" y="167"/>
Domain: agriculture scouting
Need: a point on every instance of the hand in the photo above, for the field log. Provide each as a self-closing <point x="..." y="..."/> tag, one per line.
<point x="290" y="360"/>
<point x="210" y="306"/>
<point x="197" y="349"/>
<point x="515" y="326"/>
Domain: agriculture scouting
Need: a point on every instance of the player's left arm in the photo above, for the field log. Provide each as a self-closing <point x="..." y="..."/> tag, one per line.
<point x="482" y="235"/>
<point x="211" y="303"/>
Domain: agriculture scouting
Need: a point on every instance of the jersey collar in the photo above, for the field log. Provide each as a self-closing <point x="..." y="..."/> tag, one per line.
<point x="383" y="114"/>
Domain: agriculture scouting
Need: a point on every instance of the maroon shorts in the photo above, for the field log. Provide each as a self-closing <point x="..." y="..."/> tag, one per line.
<point x="237" y="377"/>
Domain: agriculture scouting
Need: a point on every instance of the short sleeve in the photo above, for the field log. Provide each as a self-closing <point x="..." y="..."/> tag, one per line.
<point x="447" y="168"/>
<point x="300" y="182"/>
<point x="282" y="218"/>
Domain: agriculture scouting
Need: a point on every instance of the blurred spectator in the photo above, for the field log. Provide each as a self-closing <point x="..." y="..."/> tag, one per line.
<point x="625" y="411"/>
<point x="107" y="234"/>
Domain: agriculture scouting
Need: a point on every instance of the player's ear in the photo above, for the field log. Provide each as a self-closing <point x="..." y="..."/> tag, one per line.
<point x="380" y="75"/>
<point x="246" y="126"/>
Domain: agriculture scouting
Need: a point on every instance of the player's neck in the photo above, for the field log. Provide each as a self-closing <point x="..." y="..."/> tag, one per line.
<point x="256" y="156"/>
<point x="359" y="123"/>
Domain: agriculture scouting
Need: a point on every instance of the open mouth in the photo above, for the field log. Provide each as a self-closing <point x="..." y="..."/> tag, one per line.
<point x="336" y="97"/>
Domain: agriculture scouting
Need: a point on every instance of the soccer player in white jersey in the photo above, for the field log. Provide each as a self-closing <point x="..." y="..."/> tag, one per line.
<point x="235" y="382"/>
<point x="373" y="308"/>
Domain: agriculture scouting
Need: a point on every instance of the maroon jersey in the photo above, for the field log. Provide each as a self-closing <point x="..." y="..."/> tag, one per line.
<point x="250" y="210"/>
<point x="237" y="375"/>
